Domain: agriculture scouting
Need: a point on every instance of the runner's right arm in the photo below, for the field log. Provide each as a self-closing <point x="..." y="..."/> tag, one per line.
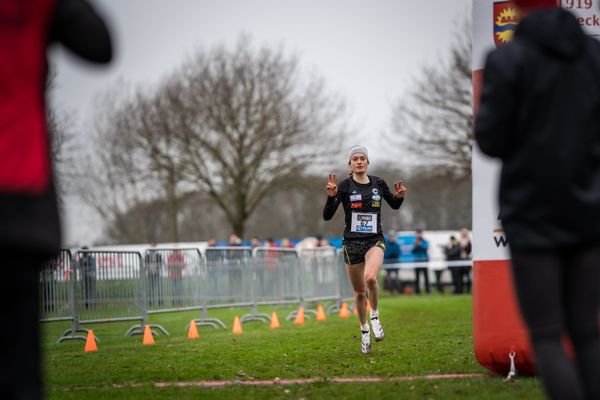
<point x="333" y="203"/>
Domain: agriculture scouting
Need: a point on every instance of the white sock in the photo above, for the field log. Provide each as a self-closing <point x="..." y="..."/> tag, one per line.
<point x="374" y="313"/>
<point x="365" y="328"/>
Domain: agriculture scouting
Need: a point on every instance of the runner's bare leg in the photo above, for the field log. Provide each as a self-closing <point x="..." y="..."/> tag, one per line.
<point x="356" y="274"/>
<point x="374" y="259"/>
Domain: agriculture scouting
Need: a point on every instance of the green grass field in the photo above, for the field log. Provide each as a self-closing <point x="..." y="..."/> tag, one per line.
<point x="424" y="335"/>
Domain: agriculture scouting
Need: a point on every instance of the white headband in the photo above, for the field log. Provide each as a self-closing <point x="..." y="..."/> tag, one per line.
<point x="358" y="149"/>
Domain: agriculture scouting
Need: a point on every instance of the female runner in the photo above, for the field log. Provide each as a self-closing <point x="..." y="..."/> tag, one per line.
<point x="364" y="244"/>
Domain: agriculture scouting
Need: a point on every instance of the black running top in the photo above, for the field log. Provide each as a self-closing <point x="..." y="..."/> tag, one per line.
<point x="362" y="205"/>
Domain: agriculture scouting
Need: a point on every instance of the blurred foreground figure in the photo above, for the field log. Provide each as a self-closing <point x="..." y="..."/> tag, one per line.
<point x="29" y="227"/>
<point x="540" y="114"/>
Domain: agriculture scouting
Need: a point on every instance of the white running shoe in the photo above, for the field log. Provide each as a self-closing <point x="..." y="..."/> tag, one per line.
<point x="377" y="329"/>
<point x="365" y="345"/>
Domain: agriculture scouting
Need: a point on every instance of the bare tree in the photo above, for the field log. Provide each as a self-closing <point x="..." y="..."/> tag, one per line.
<point x="434" y="120"/>
<point x="112" y="179"/>
<point x="294" y="212"/>
<point x="60" y="125"/>
<point x="437" y="201"/>
<point x="230" y="127"/>
<point x="147" y="132"/>
<point x="252" y="123"/>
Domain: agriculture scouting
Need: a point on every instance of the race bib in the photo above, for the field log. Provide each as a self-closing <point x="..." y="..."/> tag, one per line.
<point x="364" y="223"/>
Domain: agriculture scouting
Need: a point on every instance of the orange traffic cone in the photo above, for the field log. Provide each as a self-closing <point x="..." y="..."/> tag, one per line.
<point x="90" y="342"/>
<point x="368" y="306"/>
<point x="237" y="326"/>
<point x="299" y="317"/>
<point x="148" y="338"/>
<point x="193" y="331"/>
<point x="321" y="313"/>
<point x="344" y="311"/>
<point x="355" y="310"/>
<point x="274" y="320"/>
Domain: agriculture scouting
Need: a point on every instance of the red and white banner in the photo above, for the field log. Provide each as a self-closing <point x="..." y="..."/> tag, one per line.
<point x="494" y="23"/>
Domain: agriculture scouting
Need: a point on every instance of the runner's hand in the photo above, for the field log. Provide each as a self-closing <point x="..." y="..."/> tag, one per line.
<point x="331" y="186"/>
<point x="400" y="190"/>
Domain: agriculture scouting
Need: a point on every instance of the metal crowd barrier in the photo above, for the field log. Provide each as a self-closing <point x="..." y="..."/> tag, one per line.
<point x="55" y="278"/>
<point x="226" y="273"/>
<point x="107" y="286"/>
<point x="318" y="278"/>
<point x="272" y="274"/>
<point x="58" y="299"/>
<point x="346" y="289"/>
<point x="111" y="287"/>
<point x="177" y="280"/>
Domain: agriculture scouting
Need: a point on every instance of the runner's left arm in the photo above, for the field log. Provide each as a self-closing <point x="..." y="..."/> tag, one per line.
<point x="389" y="197"/>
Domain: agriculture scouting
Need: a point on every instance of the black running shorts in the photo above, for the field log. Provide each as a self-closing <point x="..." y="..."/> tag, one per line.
<point x="355" y="250"/>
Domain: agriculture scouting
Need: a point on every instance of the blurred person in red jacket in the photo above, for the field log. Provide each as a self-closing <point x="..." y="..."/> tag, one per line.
<point x="176" y="263"/>
<point x="30" y="229"/>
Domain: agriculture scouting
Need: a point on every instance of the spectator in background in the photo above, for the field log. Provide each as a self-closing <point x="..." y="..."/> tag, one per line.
<point x="322" y="242"/>
<point x="213" y="277"/>
<point x="421" y="253"/>
<point x="391" y="281"/>
<point x="86" y="264"/>
<point x="286" y="244"/>
<point x="234" y="240"/>
<point x="212" y="252"/>
<point x="255" y="242"/>
<point x="49" y="272"/>
<point x="154" y="265"/>
<point x="465" y="254"/>
<point x="234" y="258"/>
<point x="270" y="272"/>
<point x="392" y="248"/>
<point x="175" y="266"/>
<point x="30" y="227"/>
<point x="452" y="251"/>
<point x="540" y="115"/>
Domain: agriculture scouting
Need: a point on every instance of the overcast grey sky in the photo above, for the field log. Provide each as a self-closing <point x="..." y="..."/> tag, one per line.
<point x="368" y="51"/>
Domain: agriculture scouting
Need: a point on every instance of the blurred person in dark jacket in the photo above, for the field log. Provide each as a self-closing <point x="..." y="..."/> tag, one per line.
<point x="29" y="233"/>
<point x="421" y="254"/>
<point x="463" y="273"/>
<point x="391" y="281"/>
<point x="452" y="252"/>
<point x="540" y="115"/>
<point x="154" y="266"/>
<point x="86" y="266"/>
<point x="392" y="249"/>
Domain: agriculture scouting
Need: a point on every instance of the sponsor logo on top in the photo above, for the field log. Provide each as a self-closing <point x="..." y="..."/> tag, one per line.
<point x="506" y="20"/>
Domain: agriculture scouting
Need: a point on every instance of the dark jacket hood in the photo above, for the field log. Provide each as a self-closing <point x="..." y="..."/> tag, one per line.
<point x="554" y="31"/>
